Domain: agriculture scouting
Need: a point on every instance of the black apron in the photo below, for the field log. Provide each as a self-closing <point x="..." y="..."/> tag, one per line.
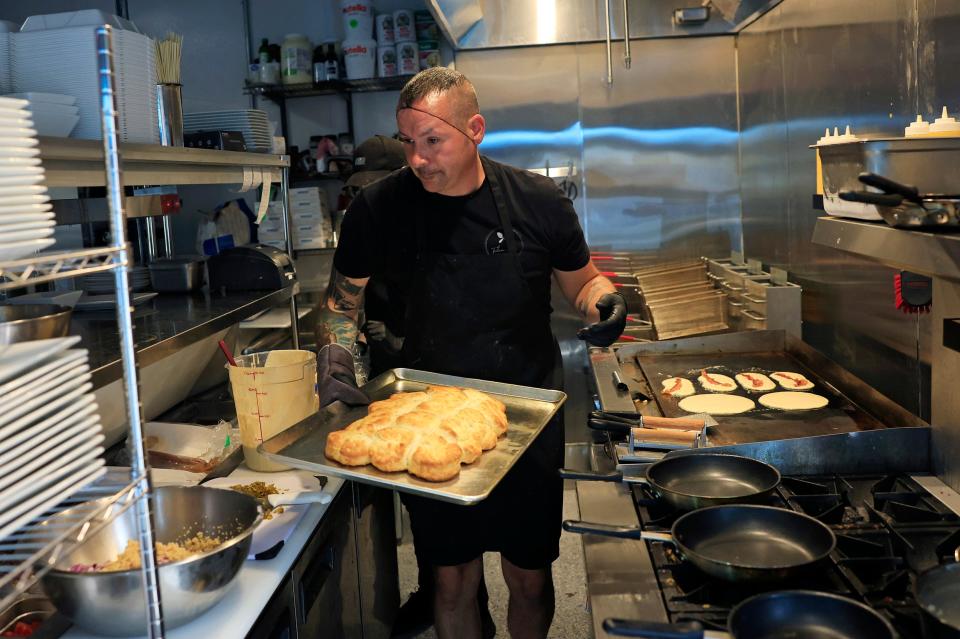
<point x="476" y="316"/>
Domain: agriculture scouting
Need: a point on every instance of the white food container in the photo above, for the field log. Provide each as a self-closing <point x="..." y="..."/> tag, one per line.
<point x="386" y="61"/>
<point x="404" y="28"/>
<point x="408" y="58"/>
<point x="359" y="58"/>
<point x="357" y="18"/>
<point x="384" y="25"/>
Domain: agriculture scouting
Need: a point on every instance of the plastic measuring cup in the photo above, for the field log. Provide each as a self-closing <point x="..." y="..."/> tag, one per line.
<point x="272" y="391"/>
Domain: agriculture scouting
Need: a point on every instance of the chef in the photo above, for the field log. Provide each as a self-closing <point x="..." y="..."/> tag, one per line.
<point x="479" y="241"/>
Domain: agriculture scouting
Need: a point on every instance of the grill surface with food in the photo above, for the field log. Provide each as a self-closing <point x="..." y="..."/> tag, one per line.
<point x="428" y="434"/>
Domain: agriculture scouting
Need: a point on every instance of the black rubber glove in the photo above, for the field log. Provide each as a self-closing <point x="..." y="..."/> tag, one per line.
<point x="336" y="378"/>
<point x="613" y="319"/>
<point x="378" y="332"/>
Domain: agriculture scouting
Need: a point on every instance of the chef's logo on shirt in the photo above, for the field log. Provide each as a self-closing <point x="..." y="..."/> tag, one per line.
<point x="496" y="242"/>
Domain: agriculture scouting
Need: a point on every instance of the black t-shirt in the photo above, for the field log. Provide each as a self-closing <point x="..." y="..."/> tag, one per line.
<point x="379" y="232"/>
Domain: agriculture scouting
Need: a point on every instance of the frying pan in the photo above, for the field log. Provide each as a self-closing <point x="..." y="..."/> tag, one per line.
<point x="938" y="593"/>
<point x="801" y="614"/>
<point x="737" y="543"/>
<point x="689" y="482"/>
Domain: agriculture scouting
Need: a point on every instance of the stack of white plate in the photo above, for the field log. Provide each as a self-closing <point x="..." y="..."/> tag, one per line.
<point x="51" y="440"/>
<point x="4" y="61"/>
<point x="64" y="61"/>
<point x="26" y="216"/>
<point x="252" y="123"/>
<point x="102" y="283"/>
<point x="53" y="113"/>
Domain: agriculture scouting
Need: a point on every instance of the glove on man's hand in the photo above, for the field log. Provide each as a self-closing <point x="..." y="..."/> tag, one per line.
<point x="613" y="319"/>
<point x="336" y="378"/>
<point x="378" y="332"/>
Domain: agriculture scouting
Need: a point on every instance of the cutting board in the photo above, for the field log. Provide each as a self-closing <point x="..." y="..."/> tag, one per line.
<point x="272" y="531"/>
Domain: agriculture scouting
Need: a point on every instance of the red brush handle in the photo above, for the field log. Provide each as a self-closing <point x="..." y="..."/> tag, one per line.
<point x="227" y="353"/>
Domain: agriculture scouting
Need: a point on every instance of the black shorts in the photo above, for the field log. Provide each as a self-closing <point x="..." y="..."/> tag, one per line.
<point x="520" y="519"/>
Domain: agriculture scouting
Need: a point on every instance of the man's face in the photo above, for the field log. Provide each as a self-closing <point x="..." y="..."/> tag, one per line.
<point x="442" y="157"/>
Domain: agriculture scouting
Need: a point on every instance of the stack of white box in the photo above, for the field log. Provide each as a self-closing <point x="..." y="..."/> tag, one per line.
<point x="311" y="225"/>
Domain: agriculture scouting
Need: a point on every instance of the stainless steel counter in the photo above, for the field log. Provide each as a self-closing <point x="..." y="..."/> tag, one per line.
<point x="166" y="324"/>
<point x="621" y="581"/>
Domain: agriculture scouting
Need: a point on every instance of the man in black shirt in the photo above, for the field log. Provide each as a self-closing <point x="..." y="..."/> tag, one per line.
<point x="479" y="242"/>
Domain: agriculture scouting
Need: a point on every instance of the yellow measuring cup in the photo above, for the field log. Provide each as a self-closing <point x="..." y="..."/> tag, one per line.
<point x="272" y="391"/>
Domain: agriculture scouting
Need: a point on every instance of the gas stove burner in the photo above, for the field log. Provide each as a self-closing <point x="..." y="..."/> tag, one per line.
<point x="888" y="530"/>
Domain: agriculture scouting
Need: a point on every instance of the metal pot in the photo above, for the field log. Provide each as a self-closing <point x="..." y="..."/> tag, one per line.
<point x="25" y="322"/>
<point x="113" y="603"/>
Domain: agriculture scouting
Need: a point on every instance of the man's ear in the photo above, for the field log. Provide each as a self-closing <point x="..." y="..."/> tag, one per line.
<point x="476" y="128"/>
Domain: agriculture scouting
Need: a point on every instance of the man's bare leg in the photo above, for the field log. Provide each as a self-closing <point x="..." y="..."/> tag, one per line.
<point x="531" y="600"/>
<point x="456" y="615"/>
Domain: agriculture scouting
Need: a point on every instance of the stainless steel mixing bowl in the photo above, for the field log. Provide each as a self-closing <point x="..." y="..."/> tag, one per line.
<point x="113" y="603"/>
<point x="23" y="322"/>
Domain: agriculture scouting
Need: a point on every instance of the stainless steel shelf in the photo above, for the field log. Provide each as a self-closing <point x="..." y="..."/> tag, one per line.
<point x="332" y="87"/>
<point x="167" y="324"/>
<point x="933" y="254"/>
<point x="32" y="551"/>
<point x="47" y="267"/>
<point x="74" y="163"/>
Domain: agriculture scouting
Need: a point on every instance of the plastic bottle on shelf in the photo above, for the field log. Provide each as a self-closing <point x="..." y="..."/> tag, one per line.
<point x="846" y="137"/>
<point x="295" y="67"/>
<point x="319" y="65"/>
<point x="263" y="54"/>
<point x="918" y="127"/>
<point x="332" y="63"/>
<point x="945" y="125"/>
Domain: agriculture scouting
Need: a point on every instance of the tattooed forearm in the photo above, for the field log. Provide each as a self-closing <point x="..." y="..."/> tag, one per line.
<point x="591" y="292"/>
<point x="338" y="313"/>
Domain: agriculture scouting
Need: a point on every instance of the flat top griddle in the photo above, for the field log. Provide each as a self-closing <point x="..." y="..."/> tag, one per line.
<point x="761" y="423"/>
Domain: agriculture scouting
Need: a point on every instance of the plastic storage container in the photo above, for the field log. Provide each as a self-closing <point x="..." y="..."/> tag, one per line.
<point x="357" y="18"/>
<point x="272" y="391"/>
<point x="408" y="58"/>
<point x="359" y="58"/>
<point x="386" y="61"/>
<point x="404" y="28"/>
<point x="384" y="26"/>
<point x="296" y="65"/>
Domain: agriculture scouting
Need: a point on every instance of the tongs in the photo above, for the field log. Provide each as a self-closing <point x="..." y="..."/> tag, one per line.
<point x="648" y="431"/>
<point x="902" y="204"/>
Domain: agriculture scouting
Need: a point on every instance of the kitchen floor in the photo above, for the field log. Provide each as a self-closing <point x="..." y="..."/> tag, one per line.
<point x="572" y="619"/>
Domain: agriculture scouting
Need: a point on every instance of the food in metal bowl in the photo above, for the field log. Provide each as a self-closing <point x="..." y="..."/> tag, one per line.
<point x="113" y="602"/>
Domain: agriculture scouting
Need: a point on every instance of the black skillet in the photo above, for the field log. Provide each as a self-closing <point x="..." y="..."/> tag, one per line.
<point x="737" y="543"/>
<point x="689" y="482"/>
<point x="797" y="614"/>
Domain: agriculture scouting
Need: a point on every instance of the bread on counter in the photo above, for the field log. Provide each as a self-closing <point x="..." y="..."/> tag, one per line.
<point x="425" y="433"/>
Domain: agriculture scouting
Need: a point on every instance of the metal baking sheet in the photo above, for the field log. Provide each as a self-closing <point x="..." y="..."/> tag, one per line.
<point x="761" y="423"/>
<point x="528" y="411"/>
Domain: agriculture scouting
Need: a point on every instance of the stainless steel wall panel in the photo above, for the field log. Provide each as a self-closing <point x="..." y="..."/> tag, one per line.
<point x="531" y="104"/>
<point x="509" y="23"/>
<point x="660" y="148"/>
<point x="764" y="178"/>
<point x="841" y="63"/>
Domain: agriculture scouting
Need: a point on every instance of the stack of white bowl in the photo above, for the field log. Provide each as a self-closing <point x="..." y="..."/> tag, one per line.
<point x="63" y="60"/>
<point x="26" y="216"/>
<point x="51" y="440"/>
<point x="53" y="114"/>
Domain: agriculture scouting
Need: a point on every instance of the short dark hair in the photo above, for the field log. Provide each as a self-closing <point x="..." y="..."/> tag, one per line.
<point x="438" y="80"/>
